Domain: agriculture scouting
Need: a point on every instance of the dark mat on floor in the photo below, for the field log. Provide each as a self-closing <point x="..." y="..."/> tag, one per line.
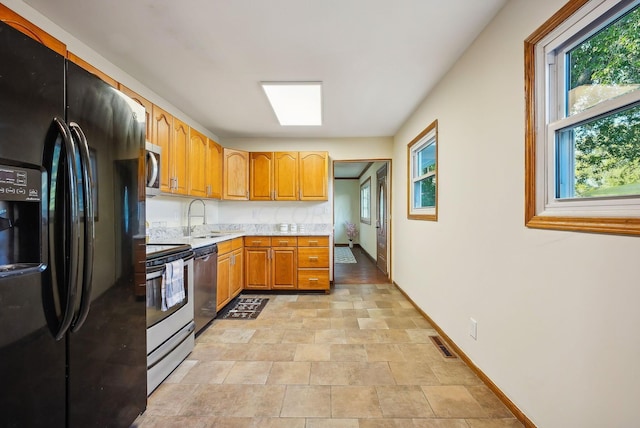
<point x="244" y="308"/>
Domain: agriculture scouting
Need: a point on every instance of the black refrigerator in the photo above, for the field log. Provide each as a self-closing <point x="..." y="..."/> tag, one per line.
<point x="72" y="333"/>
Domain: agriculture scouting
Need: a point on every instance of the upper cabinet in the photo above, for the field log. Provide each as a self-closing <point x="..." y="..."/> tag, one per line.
<point x="198" y="145"/>
<point x="235" y="182"/>
<point x="261" y="176"/>
<point x="314" y="174"/>
<point x="172" y="135"/>
<point x="179" y="157"/>
<point x="288" y="176"/>
<point x="285" y="176"/>
<point x="213" y="169"/>
<point x="148" y="108"/>
<point x="19" y="23"/>
<point x="162" y="135"/>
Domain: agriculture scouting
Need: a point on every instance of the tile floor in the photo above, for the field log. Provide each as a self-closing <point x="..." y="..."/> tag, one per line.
<point x="359" y="357"/>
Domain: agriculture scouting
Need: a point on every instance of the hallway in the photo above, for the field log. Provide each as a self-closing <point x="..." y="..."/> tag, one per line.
<point x="359" y="357"/>
<point x="364" y="271"/>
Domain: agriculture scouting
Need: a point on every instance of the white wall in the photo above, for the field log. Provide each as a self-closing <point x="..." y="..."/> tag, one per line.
<point x="557" y="312"/>
<point x="346" y="207"/>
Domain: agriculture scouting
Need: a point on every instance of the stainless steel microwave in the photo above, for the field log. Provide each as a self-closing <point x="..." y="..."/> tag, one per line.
<point x="152" y="169"/>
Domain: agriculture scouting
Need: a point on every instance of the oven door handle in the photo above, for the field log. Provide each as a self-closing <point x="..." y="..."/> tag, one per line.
<point x="155" y="273"/>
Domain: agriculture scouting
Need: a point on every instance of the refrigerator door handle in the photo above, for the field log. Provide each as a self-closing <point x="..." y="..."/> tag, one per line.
<point x="72" y="228"/>
<point x="89" y="225"/>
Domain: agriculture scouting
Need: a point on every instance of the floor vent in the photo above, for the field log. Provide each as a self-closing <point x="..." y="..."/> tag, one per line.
<point x="442" y="347"/>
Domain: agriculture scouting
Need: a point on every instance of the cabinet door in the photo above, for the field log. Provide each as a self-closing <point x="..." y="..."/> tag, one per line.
<point x="235" y="182"/>
<point x="179" y="156"/>
<point x="260" y="176"/>
<point x="257" y="268"/>
<point x="198" y="147"/>
<point x="163" y="136"/>
<point x="284" y="269"/>
<point x="214" y="169"/>
<point x="286" y="176"/>
<point x="224" y="268"/>
<point x="148" y="108"/>
<point x="313" y="176"/>
<point x="236" y="278"/>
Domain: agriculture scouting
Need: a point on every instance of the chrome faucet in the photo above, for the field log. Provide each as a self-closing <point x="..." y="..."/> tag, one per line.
<point x="204" y="215"/>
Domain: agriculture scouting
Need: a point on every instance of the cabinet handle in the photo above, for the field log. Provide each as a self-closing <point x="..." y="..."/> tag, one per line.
<point x="313" y="279"/>
<point x="283" y="242"/>
<point x="313" y="258"/>
<point x="233" y="259"/>
<point x="313" y="242"/>
<point x="256" y="242"/>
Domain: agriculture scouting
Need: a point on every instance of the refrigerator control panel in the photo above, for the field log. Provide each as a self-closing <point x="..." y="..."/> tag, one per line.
<point x="20" y="184"/>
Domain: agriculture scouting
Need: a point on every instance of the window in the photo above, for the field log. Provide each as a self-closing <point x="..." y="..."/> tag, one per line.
<point x="423" y="172"/>
<point x="582" y="85"/>
<point x="365" y="201"/>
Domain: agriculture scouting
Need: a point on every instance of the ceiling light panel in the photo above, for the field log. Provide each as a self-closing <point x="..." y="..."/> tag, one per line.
<point x="295" y="103"/>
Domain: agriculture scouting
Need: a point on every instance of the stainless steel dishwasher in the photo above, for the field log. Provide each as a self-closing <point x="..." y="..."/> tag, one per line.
<point x="205" y="272"/>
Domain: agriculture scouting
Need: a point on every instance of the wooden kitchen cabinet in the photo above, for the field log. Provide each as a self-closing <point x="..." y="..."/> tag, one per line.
<point x="285" y="176"/>
<point x="313" y="263"/>
<point x="148" y="108"/>
<point x="257" y="262"/>
<point x="213" y="169"/>
<point x="274" y="176"/>
<point x="16" y="21"/>
<point x="179" y="157"/>
<point x="172" y="135"/>
<point x="235" y="181"/>
<point x="270" y="263"/>
<point x="284" y="263"/>
<point x="230" y="271"/>
<point x="261" y="176"/>
<point x="314" y="174"/>
<point x="198" y="147"/>
<point x="162" y="135"/>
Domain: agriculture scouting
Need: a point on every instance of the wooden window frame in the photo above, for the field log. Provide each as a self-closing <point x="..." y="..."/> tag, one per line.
<point x="534" y="194"/>
<point x="432" y="213"/>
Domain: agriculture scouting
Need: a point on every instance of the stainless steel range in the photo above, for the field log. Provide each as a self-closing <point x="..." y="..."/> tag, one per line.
<point x="170" y="309"/>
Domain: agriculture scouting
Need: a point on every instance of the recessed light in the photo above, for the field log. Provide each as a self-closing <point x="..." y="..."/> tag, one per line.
<point x="295" y="103"/>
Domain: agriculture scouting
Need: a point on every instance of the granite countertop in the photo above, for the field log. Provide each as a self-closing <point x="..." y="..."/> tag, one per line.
<point x="215" y="237"/>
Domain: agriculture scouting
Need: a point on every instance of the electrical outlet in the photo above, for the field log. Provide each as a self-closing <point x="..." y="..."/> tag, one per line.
<point x="473" y="328"/>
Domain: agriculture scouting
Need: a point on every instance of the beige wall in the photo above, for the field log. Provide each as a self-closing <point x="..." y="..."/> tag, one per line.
<point x="557" y="311"/>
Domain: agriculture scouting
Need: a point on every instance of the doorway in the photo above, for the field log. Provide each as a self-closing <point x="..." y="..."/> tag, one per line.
<point x="361" y="197"/>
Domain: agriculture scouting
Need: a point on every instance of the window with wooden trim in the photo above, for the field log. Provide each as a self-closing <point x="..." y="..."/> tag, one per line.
<point x="365" y="201"/>
<point x="422" y="155"/>
<point x="582" y="87"/>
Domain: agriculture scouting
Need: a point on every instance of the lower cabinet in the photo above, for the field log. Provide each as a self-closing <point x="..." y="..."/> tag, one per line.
<point x="286" y="263"/>
<point x="230" y="271"/>
<point x="313" y="263"/>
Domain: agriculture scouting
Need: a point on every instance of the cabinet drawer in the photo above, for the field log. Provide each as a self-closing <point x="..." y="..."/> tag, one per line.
<point x="309" y="257"/>
<point x="237" y="243"/>
<point x="313" y="241"/>
<point x="313" y="279"/>
<point x="257" y="241"/>
<point x="224" y="247"/>
<point x="284" y="241"/>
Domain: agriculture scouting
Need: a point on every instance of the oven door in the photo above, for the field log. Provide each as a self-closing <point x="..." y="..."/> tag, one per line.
<point x="155" y="311"/>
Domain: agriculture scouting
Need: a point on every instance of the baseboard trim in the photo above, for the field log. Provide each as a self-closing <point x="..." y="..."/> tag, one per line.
<point x="487" y="381"/>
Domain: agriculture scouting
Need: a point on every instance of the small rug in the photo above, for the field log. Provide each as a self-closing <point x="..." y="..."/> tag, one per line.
<point x="244" y="308"/>
<point x="343" y="255"/>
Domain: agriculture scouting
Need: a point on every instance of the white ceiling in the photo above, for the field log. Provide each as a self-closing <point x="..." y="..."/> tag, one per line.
<point x="377" y="59"/>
